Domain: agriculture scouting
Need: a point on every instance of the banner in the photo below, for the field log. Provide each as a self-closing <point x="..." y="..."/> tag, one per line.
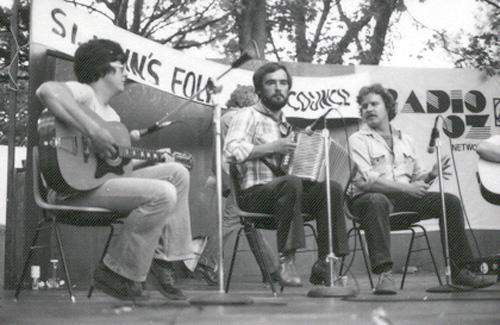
<point x="469" y="102"/>
<point x="61" y="26"/>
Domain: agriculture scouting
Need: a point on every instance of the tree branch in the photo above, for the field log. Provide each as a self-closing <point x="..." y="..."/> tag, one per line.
<point x="491" y="3"/>
<point x="92" y="9"/>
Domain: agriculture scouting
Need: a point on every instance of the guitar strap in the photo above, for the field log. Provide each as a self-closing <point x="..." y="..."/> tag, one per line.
<point x="274" y="169"/>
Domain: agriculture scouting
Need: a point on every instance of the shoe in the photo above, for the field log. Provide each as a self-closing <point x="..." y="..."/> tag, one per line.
<point x="207" y="273"/>
<point x="162" y="275"/>
<point x="320" y="274"/>
<point x="275" y="277"/>
<point x="468" y="279"/>
<point x="385" y="284"/>
<point x="117" y="286"/>
<point x="288" y="272"/>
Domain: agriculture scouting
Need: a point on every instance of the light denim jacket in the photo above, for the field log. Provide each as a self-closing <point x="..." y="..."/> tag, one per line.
<point x="375" y="159"/>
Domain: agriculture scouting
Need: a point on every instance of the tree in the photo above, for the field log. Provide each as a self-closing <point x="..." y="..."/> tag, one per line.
<point x="181" y="24"/>
<point x="358" y="32"/>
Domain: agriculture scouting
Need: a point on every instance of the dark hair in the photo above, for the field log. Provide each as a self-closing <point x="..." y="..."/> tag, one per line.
<point x="267" y="68"/>
<point x="242" y="96"/>
<point x="93" y="58"/>
<point x="390" y="103"/>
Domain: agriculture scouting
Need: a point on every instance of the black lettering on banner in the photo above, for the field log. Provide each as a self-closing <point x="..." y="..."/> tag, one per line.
<point x="438" y="101"/>
<point x="475" y="101"/>
<point x="318" y="100"/>
<point x="137" y="67"/>
<point x="457" y="127"/>
<point x="189" y="82"/>
<point x="464" y="147"/>
<point x="175" y="79"/>
<point x="134" y="65"/>
<point x="153" y="73"/>
<point x="62" y="31"/>
<point x="74" y="31"/>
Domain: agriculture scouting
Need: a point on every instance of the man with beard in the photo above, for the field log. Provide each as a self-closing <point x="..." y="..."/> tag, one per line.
<point x="261" y="132"/>
<point x="390" y="179"/>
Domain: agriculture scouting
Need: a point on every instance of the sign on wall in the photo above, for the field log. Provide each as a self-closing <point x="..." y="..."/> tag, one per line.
<point x="62" y="27"/>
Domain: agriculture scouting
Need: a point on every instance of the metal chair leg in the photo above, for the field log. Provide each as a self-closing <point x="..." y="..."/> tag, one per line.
<point x="28" y="258"/>
<point x="106" y="246"/>
<point x="430" y="253"/>
<point x="233" y="258"/>
<point x="410" y="250"/>
<point x="260" y="256"/>
<point x="365" y="256"/>
<point x="63" y="258"/>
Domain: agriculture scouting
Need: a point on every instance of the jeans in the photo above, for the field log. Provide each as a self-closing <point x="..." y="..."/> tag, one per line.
<point x="230" y="224"/>
<point x="373" y="211"/>
<point x="286" y="197"/>
<point x="158" y="223"/>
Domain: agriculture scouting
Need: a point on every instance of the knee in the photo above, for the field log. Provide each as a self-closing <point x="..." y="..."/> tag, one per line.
<point x="180" y="171"/>
<point x="292" y="183"/>
<point x="377" y="201"/>
<point x="451" y="200"/>
<point x="164" y="194"/>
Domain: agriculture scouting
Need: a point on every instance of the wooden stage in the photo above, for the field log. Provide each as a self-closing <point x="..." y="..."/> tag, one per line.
<point x="411" y="306"/>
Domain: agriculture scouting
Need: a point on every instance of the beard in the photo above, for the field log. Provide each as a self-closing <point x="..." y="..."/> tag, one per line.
<point x="272" y="103"/>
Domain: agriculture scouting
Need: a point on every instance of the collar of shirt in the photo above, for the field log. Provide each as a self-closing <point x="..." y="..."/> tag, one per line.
<point x="259" y="107"/>
<point x="366" y="130"/>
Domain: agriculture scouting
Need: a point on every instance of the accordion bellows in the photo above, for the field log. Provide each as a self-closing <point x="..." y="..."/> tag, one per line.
<point x="308" y="159"/>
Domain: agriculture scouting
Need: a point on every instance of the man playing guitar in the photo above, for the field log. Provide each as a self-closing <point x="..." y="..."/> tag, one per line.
<point x="157" y="228"/>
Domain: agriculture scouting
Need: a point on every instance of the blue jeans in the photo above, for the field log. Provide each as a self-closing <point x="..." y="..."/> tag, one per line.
<point x="373" y="211"/>
<point x="158" y="223"/>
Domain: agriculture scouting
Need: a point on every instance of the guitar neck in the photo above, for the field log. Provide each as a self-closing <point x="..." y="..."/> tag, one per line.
<point x="140" y="153"/>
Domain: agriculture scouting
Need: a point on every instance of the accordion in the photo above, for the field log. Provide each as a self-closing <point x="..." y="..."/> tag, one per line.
<point x="308" y="159"/>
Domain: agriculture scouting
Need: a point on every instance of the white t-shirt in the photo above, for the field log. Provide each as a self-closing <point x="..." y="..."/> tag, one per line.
<point x="85" y="95"/>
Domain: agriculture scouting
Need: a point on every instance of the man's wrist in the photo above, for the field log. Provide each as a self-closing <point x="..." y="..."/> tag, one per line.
<point x="430" y="177"/>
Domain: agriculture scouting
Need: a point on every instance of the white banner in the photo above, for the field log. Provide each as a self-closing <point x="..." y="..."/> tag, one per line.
<point x="470" y="102"/>
<point x="61" y="26"/>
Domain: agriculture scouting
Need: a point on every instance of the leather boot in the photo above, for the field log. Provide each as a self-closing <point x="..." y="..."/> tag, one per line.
<point x="288" y="272"/>
<point x="320" y="273"/>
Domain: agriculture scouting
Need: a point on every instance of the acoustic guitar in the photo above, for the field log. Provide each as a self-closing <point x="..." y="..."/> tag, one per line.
<point x="69" y="164"/>
<point x="488" y="174"/>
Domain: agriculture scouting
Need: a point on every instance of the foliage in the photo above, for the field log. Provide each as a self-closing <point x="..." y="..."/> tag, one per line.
<point x="21" y="115"/>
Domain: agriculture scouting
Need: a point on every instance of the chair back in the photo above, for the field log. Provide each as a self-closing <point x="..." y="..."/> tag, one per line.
<point x="40" y="193"/>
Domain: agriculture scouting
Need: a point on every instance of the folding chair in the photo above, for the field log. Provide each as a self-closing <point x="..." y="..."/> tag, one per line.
<point x="406" y="220"/>
<point x="248" y="220"/>
<point x="55" y="214"/>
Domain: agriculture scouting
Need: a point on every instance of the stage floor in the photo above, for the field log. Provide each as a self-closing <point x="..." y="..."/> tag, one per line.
<point x="411" y="306"/>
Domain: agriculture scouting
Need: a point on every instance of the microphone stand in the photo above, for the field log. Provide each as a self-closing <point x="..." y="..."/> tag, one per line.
<point x="220" y="297"/>
<point x="448" y="286"/>
<point x="330" y="290"/>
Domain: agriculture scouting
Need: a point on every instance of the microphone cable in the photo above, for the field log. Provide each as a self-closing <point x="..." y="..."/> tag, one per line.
<point x="466" y="216"/>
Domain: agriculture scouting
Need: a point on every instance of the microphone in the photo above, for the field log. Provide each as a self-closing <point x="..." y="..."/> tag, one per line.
<point x="309" y="130"/>
<point x="135" y="135"/>
<point x="434" y="136"/>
